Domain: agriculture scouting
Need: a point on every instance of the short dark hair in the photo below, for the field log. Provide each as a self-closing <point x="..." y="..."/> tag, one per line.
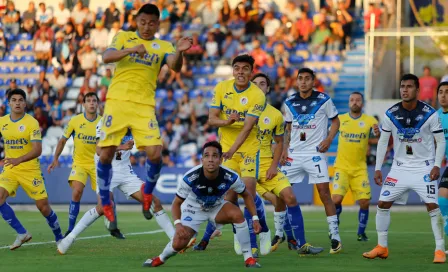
<point x="90" y="95"/>
<point x="214" y="144"/>
<point x="445" y="83"/>
<point x="149" y="9"/>
<point x="306" y="70"/>
<point x="244" y="58"/>
<point x="411" y="77"/>
<point x="268" y="80"/>
<point x="358" y="93"/>
<point x="16" y="91"/>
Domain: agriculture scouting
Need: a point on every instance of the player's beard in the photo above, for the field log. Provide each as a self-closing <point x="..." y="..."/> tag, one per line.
<point x="355" y="109"/>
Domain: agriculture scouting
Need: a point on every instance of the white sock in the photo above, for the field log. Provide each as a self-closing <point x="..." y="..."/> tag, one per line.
<point x="168" y="252"/>
<point x="164" y="222"/>
<point x="436" y="225"/>
<point x="279" y="220"/>
<point x="242" y="234"/>
<point x="333" y="227"/>
<point x="87" y="219"/>
<point x="382" y="225"/>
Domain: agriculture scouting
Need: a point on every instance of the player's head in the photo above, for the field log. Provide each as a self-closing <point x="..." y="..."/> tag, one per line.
<point x="409" y="87"/>
<point x="442" y="94"/>
<point x="305" y="79"/>
<point x="148" y="21"/>
<point x="262" y="81"/>
<point x="211" y="156"/>
<point x="355" y="102"/>
<point x="91" y="102"/>
<point x="242" y="69"/>
<point x="17" y="101"/>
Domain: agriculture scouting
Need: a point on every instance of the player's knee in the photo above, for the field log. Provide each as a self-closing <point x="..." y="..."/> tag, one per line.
<point x="237" y="217"/>
<point x="363" y="203"/>
<point x="43" y="207"/>
<point x="107" y="155"/>
<point x="3" y="196"/>
<point x="180" y="242"/>
<point x="384" y="205"/>
<point x="290" y="200"/>
<point x="154" y="153"/>
<point x="99" y="209"/>
<point x="337" y="199"/>
<point x="77" y="194"/>
<point x="431" y="206"/>
<point x="325" y="195"/>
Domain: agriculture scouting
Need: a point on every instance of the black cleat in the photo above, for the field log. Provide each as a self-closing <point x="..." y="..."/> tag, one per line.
<point x="292" y="245"/>
<point x="117" y="234"/>
<point x="362" y="237"/>
<point x="276" y="241"/>
<point x="336" y="246"/>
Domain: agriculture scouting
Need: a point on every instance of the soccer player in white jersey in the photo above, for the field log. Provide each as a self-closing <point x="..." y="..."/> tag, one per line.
<point x="128" y="183"/>
<point x="307" y="139"/>
<point x="413" y="125"/>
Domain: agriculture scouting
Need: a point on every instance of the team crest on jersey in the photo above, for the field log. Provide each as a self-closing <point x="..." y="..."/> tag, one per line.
<point x="37" y="182"/>
<point x="155" y="46"/>
<point x="361" y="124"/>
<point x="365" y="183"/>
<point x="266" y="120"/>
<point x="335" y="186"/>
<point x="152" y="124"/>
<point x="21" y="128"/>
<point x="73" y="172"/>
<point x="243" y="100"/>
<point x="304" y="108"/>
<point x="209" y="190"/>
<point x="426" y="178"/>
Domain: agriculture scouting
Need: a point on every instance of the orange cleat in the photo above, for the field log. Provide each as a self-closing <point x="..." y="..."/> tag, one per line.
<point x="154" y="262"/>
<point x="147" y="201"/>
<point x="252" y="263"/>
<point x="439" y="257"/>
<point x="109" y="212"/>
<point x="377" y="252"/>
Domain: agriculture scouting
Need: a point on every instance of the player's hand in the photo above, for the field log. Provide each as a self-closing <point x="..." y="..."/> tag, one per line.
<point x="183" y="44"/>
<point x="233" y="117"/>
<point x="435" y="173"/>
<point x="12" y="161"/>
<point x="378" y="177"/>
<point x="128" y="145"/>
<point x="257" y="227"/>
<point x="284" y="156"/>
<point x="52" y="166"/>
<point x="140" y="50"/>
<point x="272" y="172"/>
<point x="324" y="145"/>
<point x="376" y="130"/>
<point x="228" y="155"/>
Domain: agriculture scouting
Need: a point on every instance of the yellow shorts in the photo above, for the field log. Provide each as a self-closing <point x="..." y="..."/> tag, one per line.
<point x="356" y="181"/>
<point x="245" y="164"/>
<point x="119" y="116"/>
<point x="32" y="182"/>
<point x="80" y="173"/>
<point x="275" y="185"/>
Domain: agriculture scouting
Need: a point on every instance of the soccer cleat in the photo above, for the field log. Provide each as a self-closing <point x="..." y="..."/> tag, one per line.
<point x="336" y="246"/>
<point x="362" y="237"/>
<point x="67" y="233"/>
<point x="147" y="201"/>
<point x="439" y="257"/>
<point x="255" y="252"/>
<point x="216" y="233"/>
<point x="20" y="240"/>
<point x="252" y="263"/>
<point x="265" y="242"/>
<point x="108" y="211"/>
<point x="236" y="245"/>
<point x="154" y="262"/>
<point x="308" y="249"/>
<point x="276" y="241"/>
<point x="190" y="244"/>
<point x="201" y="246"/>
<point x="117" y="234"/>
<point x="377" y="252"/>
<point x="292" y="245"/>
<point x="65" y="244"/>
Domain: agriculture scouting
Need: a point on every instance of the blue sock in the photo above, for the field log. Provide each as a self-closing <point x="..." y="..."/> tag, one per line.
<point x="209" y="231"/>
<point x="338" y="211"/>
<point x="52" y="221"/>
<point x="260" y="213"/>
<point x="10" y="218"/>
<point x="363" y="218"/>
<point x="443" y="206"/>
<point x="73" y="212"/>
<point x="103" y="181"/>
<point x="153" y="173"/>
<point x="252" y="235"/>
<point x="287" y="227"/>
<point x="297" y="226"/>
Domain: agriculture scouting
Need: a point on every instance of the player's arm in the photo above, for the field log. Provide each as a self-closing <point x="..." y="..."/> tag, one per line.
<point x="116" y="51"/>
<point x="437" y="131"/>
<point x="33" y="154"/>
<point x="381" y="149"/>
<point x="175" y="60"/>
<point x="375" y="132"/>
<point x="175" y="208"/>
<point x="332" y="113"/>
<point x="249" y="124"/>
<point x="182" y="193"/>
<point x="69" y="130"/>
<point x="278" y="150"/>
<point x="286" y="141"/>
<point x="216" y="108"/>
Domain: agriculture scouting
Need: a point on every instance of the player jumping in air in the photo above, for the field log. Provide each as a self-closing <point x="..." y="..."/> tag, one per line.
<point x="23" y="146"/>
<point x="130" y="100"/>
<point x="307" y="139"/>
<point x="351" y="167"/>
<point x="413" y="125"/>
<point x="200" y="197"/>
<point x="82" y="129"/>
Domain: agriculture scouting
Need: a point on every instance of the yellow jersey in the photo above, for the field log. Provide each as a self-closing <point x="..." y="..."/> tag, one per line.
<point x="248" y="102"/>
<point x="270" y="124"/>
<point x="17" y="136"/>
<point x="135" y="78"/>
<point x="83" y="132"/>
<point x="353" y="141"/>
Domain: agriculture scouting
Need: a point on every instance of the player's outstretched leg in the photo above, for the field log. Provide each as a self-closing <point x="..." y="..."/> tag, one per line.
<point x="153" y="166"/>
<point x="332" y="219"/>
<point x="103" y="168"/>
<point x="252" y="235"/>
<point x="51" y="217"/>
<point x="382" y="226"/>
<point x="363" y="219"/>
<point x="73" y="210"/>
<point x="10" y="217"/>
<point x="112" y="227"/>
<point x="436" y="224"/>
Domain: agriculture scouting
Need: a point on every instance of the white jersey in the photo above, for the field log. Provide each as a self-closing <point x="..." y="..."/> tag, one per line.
<point x="412" y="132"/>
<point x="121" y="163"/>
<point x="309" y="121"/>
<point x="204" y="194"/>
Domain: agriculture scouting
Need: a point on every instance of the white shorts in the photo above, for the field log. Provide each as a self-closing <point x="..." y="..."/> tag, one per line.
<point x="128" y="184"/>
<point x="193" y="217"/>
<point x="398" y="183"/>
<point x="297" y="167"/>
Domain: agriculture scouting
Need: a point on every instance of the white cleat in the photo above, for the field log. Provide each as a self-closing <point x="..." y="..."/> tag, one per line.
<point x="65" y="244"/>
<point x="20" y="240"/>
<point x="237" y="246"/>
<point x="265" y="242"/>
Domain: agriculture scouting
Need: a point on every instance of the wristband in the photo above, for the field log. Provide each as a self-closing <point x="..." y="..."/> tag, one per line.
<point x="255" y="218"/>
<point x="177" y="221"/>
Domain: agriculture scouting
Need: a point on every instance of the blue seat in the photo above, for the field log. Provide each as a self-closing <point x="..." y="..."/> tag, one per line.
<point x="5" y="70"/>
<point x="328" y="70"/>
<point x="10" y="37"/>
<point x="200" y="82"/>
<point x="18" y="47"/>
<point x="18" y="82"/>
<point x="2" y="93"/>
<point x="160" y="93"/>
<point x="25" y="37"/>
<point x="46" y="159"/>
<point x="326" y="81"/>
<point x="195" y="70"/>
<point x="29" y="81"/>
<point x="302" y="46"/>
<point x="214" y="81"/>
<point x="296" y="59"/>
<point x="27" y="59"/>
<point x="315" y="58"/>
<point x="209" y="94"/>
<point x="332" y="58"/>
<point x="194" y="93"/>
<point x="2" y="82"/>
<point x="29" y="47"/>
<point x="178" y="94"/>
<point x="66" y="161"/>
<point x="206" y="70"/>
<point x="11" y="58"/>
<point x="36" y="69"/>
<point x="50" y="69"/>
<point x="20" y="70"/>
<point x="69" y="82"/>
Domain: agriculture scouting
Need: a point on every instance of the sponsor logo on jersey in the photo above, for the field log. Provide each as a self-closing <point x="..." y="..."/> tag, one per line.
<point x="5" y="127"/>
<point x="390" y="182"/>
<point x="153" y="124"/>
<point x="365" y="184"/>
<point x="87" y="139"/>
<point x="36" y="132"/>
<point x="404" y="140"/>
<point x="314" y="103"/>
<point x="304" y="119"/>
<point x="386" y="193"/>
<point x="295" y="104"/>
<point x="426" y="178"/>
<point x="148" y="59"/>
<point x="249" y="160"/>
<point x="82" y="125"/>
<point x="16" y="143"/>
<point x="316" y="159"/>
<point x="188" y="218"/>
<point x="193" y="177"/>
<point x="321" y="96"/>
<point x="222" y="186"/>
<point x="227" y="176"/>
<point x="407" y="132"/>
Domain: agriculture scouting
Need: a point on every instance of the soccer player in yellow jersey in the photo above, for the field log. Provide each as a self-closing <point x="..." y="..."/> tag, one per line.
<point x="130" y="101"/>
<point x="351" y="167"/>
<point x="83" y="130"/>
<point x="23" y="146"/>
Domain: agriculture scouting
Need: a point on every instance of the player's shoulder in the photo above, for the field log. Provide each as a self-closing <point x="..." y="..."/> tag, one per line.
<point x="229" y="174"/>
<point x="320" y="96"/>
<point x="30" y="119"/>
<point x="162" y="44"/>
<point x="225" y="84"/>
<point x="369" y="118"/>
<point x="272" y="111"/>
<point x="425" y="108"/>
<point x="394" y="108"/>
<point x="255" y="89"/>
<point x="344" y="117"/>
<point x="192" y="175"/>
